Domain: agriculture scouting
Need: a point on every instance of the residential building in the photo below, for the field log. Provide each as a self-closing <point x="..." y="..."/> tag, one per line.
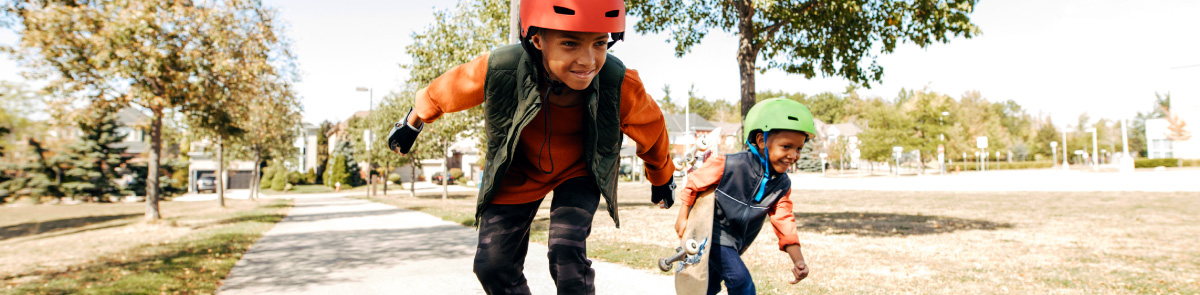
<point x="1160" y="145"/>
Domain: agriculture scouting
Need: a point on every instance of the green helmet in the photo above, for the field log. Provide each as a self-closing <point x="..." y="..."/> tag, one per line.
<point x="778" y="114"/>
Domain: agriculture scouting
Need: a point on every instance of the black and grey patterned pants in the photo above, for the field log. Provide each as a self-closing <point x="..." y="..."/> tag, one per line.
<point x="504" y="241"/>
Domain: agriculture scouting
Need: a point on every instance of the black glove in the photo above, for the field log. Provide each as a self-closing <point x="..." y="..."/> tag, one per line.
<point x="663" y="193"/>
<point x="403" y="136"/>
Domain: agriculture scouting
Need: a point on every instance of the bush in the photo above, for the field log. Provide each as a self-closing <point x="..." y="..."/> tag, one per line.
<point x="279" y="182"/>
<point x="338" y="172"/>
<point x="268" y="178"/>
<point x="395" y="178"/>
<point x="295" y="178"/>
<point x="311" y="177"/>
<point x="1151" y="163"/>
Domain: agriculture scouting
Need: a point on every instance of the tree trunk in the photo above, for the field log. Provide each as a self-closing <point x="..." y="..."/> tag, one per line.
<point x="257" y="179"/>
<point x="220" y="171"/>
<point x="152" y="171"/>
<point x="746" y="55"/>
<point x="386" y="167"/>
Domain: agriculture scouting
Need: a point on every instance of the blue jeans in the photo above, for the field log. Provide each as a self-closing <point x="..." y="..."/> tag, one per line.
<point x="725" y="264"/>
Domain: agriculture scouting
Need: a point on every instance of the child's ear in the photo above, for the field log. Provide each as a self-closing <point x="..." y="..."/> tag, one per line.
<point x="758" y="139"/>
<point x="537" y="41"/>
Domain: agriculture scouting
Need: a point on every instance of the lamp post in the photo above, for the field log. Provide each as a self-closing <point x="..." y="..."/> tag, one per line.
<point x="1054" y="151"/>
<point x="367" y="134"/>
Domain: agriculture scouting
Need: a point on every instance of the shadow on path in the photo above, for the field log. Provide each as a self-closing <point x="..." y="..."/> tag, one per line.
<point x="887" y="224"/>
<point x="327" y="253"/>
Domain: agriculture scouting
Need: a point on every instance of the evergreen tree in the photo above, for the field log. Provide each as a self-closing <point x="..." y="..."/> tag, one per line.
<point x="809" y="160"/>
<point x="94" y="159"/>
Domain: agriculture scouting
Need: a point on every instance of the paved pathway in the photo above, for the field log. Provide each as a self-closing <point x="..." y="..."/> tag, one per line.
<point x="337" y="245"/>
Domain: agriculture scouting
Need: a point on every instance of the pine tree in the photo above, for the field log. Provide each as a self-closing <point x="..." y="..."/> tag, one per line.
<point x="94" y="159"/>
<point x="809" y="160"/>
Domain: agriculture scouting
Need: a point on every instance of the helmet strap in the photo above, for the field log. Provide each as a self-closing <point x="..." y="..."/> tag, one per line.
<point x="762" y="185"/>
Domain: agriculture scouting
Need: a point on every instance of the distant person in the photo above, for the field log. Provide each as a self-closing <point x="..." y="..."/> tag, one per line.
<point x="750" y="186"/>
<point x="556" y="108"/>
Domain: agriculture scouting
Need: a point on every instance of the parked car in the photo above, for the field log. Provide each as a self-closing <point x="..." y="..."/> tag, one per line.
<point x="206" y="183"/>
<point x="437" y="178"/>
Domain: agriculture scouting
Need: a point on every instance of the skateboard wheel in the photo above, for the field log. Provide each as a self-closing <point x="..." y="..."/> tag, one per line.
<point x="664" y="265"/>
<point x="693" y="247"/>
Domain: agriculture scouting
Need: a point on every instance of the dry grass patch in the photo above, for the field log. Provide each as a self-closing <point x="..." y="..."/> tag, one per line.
<point x="110" y="248"/>
<point x="936" y="242"/>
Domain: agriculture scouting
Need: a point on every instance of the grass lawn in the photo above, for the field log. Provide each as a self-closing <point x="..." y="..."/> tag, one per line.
<point x="111" y="249"/>
<point x="933" y="242"/>
<point x="301" y="189"/>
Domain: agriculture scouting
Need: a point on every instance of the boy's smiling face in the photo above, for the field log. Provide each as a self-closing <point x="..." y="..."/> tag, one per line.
<point x="784" y="148"/>
<point x="572" y="57"/>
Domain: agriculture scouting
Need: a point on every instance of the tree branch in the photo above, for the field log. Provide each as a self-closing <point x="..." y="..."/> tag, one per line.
<point x="772" y="29"/>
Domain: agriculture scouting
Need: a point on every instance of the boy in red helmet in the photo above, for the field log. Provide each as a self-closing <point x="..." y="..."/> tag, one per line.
<point x="557" y="106"/>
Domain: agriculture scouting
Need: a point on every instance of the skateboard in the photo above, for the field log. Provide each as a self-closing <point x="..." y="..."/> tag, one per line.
<point x="690" y="260"/>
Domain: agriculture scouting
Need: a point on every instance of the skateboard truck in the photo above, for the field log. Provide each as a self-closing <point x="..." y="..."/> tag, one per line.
<point x="692" y="248"/>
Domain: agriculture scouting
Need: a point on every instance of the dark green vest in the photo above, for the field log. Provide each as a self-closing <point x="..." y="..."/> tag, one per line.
<point x="512" y="99"/>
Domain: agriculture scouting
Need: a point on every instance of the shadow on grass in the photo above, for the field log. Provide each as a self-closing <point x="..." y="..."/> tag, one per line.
<point x="194" y="266"/>
<point x="265" y="218"/>
<point x="887" y="224"/>
<point x="35" y="228"/>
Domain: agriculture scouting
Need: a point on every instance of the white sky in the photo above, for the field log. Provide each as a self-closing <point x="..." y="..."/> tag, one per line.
<point x="1103" y="57"/>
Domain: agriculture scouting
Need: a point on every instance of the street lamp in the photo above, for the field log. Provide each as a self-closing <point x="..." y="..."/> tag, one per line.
<point x="1054" y="151"/>
<point x="370" y="110"/>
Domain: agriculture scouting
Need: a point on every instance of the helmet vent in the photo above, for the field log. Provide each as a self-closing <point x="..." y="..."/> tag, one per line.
<point x="564" y="10"/>
<point x="793" y="118"/>
<point x="613" y="13"/>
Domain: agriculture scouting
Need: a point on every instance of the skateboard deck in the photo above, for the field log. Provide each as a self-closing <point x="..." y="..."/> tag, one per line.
<point x="690" y="262"/>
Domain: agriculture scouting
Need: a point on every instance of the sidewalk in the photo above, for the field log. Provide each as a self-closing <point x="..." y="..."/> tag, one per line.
<point x="336" y="245"/>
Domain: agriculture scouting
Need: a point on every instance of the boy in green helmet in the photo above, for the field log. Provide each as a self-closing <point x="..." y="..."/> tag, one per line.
<point x="750" y="186"/>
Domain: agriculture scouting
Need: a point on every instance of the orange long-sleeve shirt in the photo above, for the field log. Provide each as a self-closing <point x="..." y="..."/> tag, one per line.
<point x="462" y="88"/>
<point x="709" y="175"/>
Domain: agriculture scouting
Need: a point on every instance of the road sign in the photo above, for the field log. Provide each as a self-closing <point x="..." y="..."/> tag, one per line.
<point x="823" y="155"/>
<point x="981" y="142"/>
<point x="941" y="149"/>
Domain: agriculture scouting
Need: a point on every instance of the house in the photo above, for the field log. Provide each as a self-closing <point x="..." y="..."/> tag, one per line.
<point x="830" y="136"/>
<point x="1159" y="144"/>
<point x="306" y="143"/>
<point x="683" y="129"/>
<point x="238" y="174"/>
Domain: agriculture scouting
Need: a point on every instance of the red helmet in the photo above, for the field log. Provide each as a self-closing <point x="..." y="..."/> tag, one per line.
<point x="593" y="16"/>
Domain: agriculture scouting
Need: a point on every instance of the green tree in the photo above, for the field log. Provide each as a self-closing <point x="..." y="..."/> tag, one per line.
<point x="96" y="157"/>
<point x="456" y="37"/>
<point x="149" y="53"/>
<point x="665" y="102"/>
<point x="888" y="126"/>
<point x="841" y="39"/>
<point x="323" y="149"/>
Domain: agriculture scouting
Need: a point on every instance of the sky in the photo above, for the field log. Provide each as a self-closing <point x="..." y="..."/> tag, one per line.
<point x="1060" y="58"/>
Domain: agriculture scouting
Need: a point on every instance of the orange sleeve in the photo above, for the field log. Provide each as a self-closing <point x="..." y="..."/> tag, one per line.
<point x="458" y="89"/>
<point x="703" y="179"/>
<point x="784" y="222"/>
<point x="643" y="122"/>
